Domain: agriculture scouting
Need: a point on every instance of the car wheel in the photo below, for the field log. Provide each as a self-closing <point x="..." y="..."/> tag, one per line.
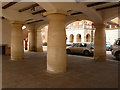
<point x="68" y="51"/>
<point x="118" y="56"/>
<point x="86" y="53"/>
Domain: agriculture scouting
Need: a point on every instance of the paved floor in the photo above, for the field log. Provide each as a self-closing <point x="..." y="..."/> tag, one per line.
<point x="82" y="72"/>
<point x="110" y="56"/>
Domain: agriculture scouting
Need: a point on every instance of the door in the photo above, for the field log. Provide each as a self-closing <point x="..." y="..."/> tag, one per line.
<point x="74" y="49"/>
<point x="82" y="47"/>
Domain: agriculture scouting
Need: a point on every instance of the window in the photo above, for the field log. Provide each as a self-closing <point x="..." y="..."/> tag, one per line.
<point x="118" y="42"/>
<point x="76" y="45"/>
<point x="90" y="27"/>
<point x="83" y="45"/>
<point x="87" y="26"/>
<point x="80" y="23"/>
<point x="110" y="26"/>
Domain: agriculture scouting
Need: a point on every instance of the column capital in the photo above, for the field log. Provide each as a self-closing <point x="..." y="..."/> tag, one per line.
<point x="30" y="27"/>
<point x="17" y="22"/>
<point x="57" y="11"/>
<point x="98" y="25"/>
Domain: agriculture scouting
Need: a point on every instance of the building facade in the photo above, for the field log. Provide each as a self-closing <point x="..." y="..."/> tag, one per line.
<point x="80" y="31"/>
<point x="83" y="31"/>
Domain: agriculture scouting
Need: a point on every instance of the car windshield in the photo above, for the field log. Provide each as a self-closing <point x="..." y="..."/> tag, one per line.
<point x="68" y="44"/>
<point x="83" y="45"/>
<point x="79" y="45"/>
<point x="75" y="45"/>
<point x="118" y="42"/>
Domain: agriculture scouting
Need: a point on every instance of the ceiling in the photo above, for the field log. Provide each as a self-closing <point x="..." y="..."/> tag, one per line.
<point x="35" y="10"/>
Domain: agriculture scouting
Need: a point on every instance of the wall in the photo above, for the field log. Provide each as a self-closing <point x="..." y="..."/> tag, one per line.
<point x="75" y="32"/>
<point x="6" y="32"/>
<point x="0" y="31"/>
<point x="112" y="35"/>
<point x="25" y="33"/>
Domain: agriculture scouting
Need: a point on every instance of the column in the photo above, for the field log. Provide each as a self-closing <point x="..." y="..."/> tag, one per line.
<point x="100" y="42"/>
<point x="82" y="37"/>
<point x="31" y="39"/>
<point x="38" y="39"/>
<point x="56" y="52"/>
<point x="91" y="35"/>
<point x="75" y="38"/>
<point x="17" y="47"/>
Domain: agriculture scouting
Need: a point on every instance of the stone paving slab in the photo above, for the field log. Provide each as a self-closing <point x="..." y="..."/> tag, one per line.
<point x="82" y="72"/>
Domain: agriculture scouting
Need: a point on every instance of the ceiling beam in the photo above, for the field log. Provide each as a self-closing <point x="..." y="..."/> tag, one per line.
<point x="96" y="4"/>
<point x="38" y="12"/>
<point x="113" y="6"/>
<point x="9" y="5"/>
<point x="29" y="19"/>
<point x="35" y="21"/>
<point x="91" y="13"/>
<point x="29" y="7"/>
<point x="76" y="13"/>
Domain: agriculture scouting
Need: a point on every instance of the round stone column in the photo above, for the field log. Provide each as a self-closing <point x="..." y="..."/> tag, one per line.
<point x="100" y="42"/>
<point x="17" y="46"/>
<point x="31" y="39"/>
<point x="56" y="52"/>
<point x="38" y="39"/>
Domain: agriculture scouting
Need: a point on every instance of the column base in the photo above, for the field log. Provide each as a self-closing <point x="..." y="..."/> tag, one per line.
<point x="55" y="72"/>
<point x="100" y="58"/>
<point x="17" y="58"/>
<point x="32" y="50"/>
<point x="39" y="50"/>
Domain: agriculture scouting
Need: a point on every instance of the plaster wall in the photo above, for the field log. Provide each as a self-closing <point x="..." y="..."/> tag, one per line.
<point x="6" y="32"/>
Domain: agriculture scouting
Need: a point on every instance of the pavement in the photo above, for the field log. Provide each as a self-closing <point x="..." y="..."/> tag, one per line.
<point x="82" y="72"/>
<point x="110" y="56"/>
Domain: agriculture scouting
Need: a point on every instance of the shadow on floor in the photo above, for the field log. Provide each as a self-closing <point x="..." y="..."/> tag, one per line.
<point x="81" y="73"/>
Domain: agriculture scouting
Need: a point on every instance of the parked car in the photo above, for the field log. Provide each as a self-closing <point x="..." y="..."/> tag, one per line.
<point x="116" y="49"/>
<point x="111" y="47"/>
<point x="85" y="48"/>
<point x="68" y="44"/>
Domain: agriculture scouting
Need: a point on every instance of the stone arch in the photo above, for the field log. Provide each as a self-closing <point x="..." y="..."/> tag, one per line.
<point x="70" y="21"/>
<point x="77" y="18"/>
<point x="78" y="38"/>
<point x="39" y="26"/>
<point x="88" y="38"/>
<point x="110" y="18"/>
<point x="71" y="38"/>
<point x="73" y="20"/>
<point x="110" y="15"/>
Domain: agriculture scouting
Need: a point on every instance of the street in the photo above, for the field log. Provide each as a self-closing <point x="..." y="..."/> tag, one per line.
<point x="110" y="56"/>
